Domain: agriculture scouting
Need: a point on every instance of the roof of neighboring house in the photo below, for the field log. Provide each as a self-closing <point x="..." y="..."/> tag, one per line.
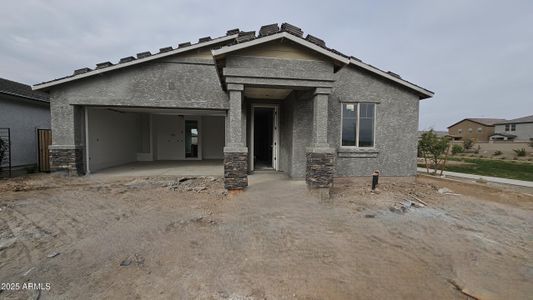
<point x="507" y="135"/>
<point x="234" y="40"/>
<point x="526" y="119"/>
<point x="18" y="89"/>
<point x="482" y="121"/>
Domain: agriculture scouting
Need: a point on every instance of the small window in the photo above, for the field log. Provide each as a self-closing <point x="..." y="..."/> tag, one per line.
<point x="479" y="129"/>
<point x="506" y="127"/>
<point x="513" y="127"/>
<point x="460" y="130"/>
<point x="469" y="129"/>
<point x="358" y="124"/>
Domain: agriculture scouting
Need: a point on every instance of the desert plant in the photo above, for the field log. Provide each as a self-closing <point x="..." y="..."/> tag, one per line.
<point x="497" y="152"/>
<point x="520" y="152"/>
<point x="456" y="149"/>
<point x="432" y="147"/>
<point x="468" y="144"/>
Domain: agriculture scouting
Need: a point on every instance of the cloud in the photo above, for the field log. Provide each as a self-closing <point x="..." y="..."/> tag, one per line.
<point x="476" y="55"/>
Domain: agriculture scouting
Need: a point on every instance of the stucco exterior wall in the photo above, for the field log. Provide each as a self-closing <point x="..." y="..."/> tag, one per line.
<point x="523" y="132"/>
<point x="23" y="117"/>
<point x="396" y="125"/>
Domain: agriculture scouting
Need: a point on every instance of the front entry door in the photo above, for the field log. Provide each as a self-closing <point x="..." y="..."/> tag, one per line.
<point x="264" y="137"/>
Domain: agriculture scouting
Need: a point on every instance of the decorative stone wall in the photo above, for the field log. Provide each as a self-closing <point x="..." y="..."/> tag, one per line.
<point x="235" y="170"/>
<point x="70" y="160"/>
<point x="320" y="169"/>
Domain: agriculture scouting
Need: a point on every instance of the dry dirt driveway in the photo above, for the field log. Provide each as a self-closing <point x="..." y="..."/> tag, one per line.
<point x="151" y="238"/>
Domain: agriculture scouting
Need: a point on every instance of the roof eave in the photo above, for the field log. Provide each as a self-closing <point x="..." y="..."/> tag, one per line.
<point x="25" y="97"/>
<point x="44" y="86"/>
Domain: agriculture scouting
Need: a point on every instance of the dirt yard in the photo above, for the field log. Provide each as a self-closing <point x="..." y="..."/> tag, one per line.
<point x="149" y="238"/>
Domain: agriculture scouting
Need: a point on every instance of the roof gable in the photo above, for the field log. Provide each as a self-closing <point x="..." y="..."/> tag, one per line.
<point x="481" y="121"/>
<point x="18" y="89"/>
<point x="526" y="119"/>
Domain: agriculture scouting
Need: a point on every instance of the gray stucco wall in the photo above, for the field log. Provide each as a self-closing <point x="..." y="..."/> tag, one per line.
<point x="171" y="82"/>
<point x="23" y="117"/>
<point x="396" y="125"/>
<point x="523" y="132"/>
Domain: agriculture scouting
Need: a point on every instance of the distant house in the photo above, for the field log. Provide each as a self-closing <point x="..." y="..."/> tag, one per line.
<point x="477" y="129"/>
<point x="22" y="111"/>
<point x="518" y="130"/>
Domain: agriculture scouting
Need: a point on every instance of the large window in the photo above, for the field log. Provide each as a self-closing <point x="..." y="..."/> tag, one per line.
<point x="358" y="124"/>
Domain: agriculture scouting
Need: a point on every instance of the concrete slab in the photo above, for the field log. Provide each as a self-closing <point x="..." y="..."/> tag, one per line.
<point x="486" y="178"/>
<point x="167" y="168"/>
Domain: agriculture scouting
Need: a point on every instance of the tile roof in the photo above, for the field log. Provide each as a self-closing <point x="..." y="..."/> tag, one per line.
<point x="238" y="36"/>
<point x="526" y="119"/>
<point x="482" y="121"/>
<point x="18" y="89"/>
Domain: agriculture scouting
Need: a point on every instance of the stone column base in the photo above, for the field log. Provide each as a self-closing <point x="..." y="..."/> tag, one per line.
<point x="235" y="170"/>
<point x="69" y="160"/>
<point x="320" y="169"/>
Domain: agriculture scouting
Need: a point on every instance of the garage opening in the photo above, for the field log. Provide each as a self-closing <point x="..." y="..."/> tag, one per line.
<point x="154" y="138"/>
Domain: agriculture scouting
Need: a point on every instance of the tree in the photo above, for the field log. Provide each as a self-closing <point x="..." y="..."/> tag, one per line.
<point x="433" y="147"/>
<point x="468" y="144"/>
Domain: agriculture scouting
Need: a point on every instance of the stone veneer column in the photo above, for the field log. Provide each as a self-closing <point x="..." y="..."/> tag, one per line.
<point x="69" y="159"/>
<point x="235" y="151"/>
<point x="320" y="156"/>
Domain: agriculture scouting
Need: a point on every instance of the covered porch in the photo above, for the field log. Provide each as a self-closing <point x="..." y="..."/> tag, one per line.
<point x="210" y="167"/>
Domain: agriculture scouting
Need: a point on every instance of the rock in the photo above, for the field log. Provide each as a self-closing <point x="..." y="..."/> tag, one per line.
<point x="126" y="262"/>
<point x="53" y="254"/>
<point x="7" y="243"/>
<point x="444" y="190"/>
<point x="370" y="216"/>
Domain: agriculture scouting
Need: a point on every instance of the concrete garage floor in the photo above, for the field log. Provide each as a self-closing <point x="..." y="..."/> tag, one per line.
<point x="209" y="167"/>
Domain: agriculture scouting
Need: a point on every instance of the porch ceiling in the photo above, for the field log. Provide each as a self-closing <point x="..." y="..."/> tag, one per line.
<point x="266" y="93"/>
<point x="168" y="111"/>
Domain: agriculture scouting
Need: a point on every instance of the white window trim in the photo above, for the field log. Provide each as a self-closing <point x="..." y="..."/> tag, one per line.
<point x="357" y="104"/>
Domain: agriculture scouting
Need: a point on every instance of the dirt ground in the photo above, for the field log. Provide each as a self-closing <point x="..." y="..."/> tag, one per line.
<point x="140" y="238"/>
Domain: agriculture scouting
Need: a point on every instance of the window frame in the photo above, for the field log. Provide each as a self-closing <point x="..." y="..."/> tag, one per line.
<point x="357" y="124"/>
<point x="513" y="127"/>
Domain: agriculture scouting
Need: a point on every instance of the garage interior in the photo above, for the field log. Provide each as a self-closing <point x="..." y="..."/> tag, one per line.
<point x="154" y="141"/>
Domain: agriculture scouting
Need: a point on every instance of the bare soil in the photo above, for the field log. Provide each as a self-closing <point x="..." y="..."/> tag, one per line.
<point x="169" y="237"/>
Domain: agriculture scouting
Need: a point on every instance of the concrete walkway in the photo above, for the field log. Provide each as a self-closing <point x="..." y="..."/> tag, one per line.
<point x="486" y="178"/>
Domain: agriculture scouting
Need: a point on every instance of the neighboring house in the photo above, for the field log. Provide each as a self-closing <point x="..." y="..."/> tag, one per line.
<point x="476" y="129"/>
<point x="23" y="111"/>
<point x="518" y="130"/>
<point x="274" y="100"/>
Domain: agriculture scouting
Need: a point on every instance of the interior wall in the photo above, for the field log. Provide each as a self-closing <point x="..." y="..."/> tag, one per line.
<point x="213" y="137"/>
<point x="168" y="137"/>
<point x="113" y="138"/>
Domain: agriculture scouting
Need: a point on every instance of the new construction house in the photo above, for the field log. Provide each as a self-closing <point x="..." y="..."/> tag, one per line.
<point x="277" y="100"/>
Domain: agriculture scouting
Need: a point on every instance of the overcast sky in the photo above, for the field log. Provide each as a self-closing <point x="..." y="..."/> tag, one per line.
<point x="477" y="56"/>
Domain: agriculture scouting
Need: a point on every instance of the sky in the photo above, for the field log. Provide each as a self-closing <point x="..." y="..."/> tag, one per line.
<point x="477" y="56"/>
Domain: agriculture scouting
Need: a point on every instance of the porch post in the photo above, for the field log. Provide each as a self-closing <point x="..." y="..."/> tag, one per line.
<point x="320" y="155"/>
<point x="235" y="151"/>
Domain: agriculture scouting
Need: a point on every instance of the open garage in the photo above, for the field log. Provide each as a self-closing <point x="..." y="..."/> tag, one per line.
<point x="151" y="139"/>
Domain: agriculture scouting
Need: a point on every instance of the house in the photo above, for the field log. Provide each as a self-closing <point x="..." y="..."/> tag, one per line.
<point x="518" y="130"/>
<point x="22" y="113"/>
<point x="476" y="129"/>
<point x="274" y="100"/>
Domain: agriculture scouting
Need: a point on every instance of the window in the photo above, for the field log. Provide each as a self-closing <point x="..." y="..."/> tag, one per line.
<point x="469" y="129"/>
<point x="513" y="127"/>
<point x="460" y="130"/>
<point x="358" y="124"/>
<point x="479" y="129"/>
<point x="506" y="127"/>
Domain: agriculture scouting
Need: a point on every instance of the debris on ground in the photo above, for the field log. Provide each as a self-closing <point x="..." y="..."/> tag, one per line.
<point x="136" y="258"/>
<point x="53" y="254"/>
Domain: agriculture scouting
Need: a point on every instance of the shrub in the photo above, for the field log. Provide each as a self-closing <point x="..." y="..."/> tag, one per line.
<point x="468" y="144"/>
<point x="520" y="152"/>
<point x="503" y="157"/>
<point x="457" y="149"/>
<point x="497" y="152"/>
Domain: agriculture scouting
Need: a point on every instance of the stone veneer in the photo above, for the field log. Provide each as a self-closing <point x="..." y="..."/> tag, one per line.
<point x="320" y="169"/>
<point x="70" y="160"/>
<point x="235" y="170"/>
